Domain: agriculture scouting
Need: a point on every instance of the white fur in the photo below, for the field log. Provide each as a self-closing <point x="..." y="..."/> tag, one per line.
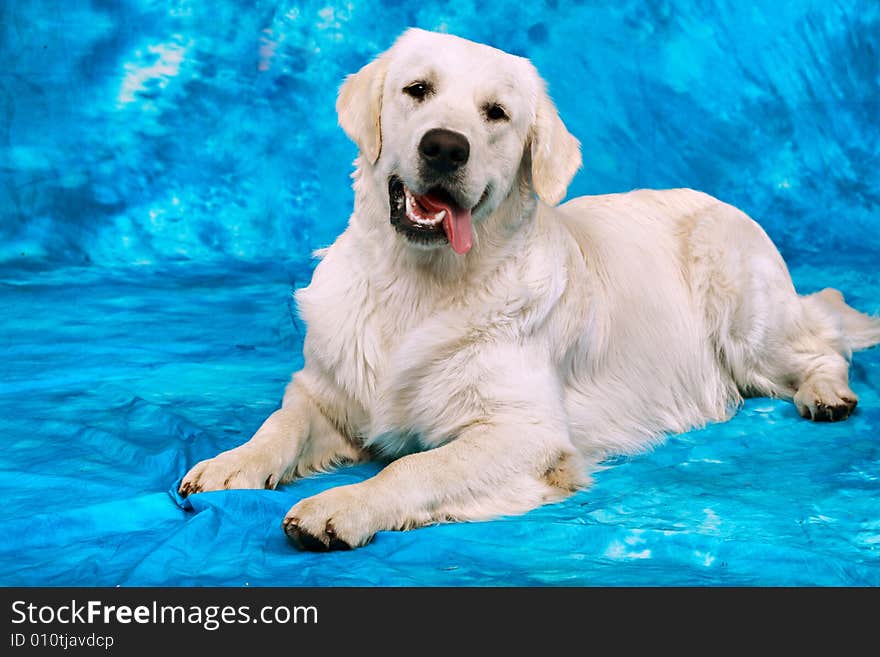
<point x="501" y="377"/>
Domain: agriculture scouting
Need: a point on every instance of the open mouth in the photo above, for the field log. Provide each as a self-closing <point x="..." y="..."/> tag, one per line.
<point x="430" y="218"/>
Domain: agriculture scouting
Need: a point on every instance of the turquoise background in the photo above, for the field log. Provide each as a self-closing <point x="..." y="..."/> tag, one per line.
<point x="166" y="168"/>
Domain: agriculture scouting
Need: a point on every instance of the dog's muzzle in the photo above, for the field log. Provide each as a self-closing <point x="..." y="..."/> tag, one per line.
<point x="430" y="218"/>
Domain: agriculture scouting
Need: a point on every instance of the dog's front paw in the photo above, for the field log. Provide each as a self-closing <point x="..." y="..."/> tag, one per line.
<point x="236" y="468"/>
<point x="337" y="519"/>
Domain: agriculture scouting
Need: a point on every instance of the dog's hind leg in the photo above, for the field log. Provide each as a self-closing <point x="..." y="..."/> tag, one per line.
<point x="800" y="352"/>
<point x="808" y="356"/>
<point x="822" y="355"/>
<point x="769" y="339"/>
<point x="823" y="392"/>
<point x="295" y="440"/>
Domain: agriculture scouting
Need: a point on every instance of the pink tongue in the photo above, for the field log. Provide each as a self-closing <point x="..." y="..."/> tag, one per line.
<point x="456" y="223"/>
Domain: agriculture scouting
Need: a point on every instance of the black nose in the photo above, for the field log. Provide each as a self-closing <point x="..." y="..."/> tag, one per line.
<point x="444" y="150"/>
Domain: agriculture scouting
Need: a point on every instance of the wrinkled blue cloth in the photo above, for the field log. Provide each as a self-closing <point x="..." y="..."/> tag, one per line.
<point x="114" y="383"/>
<point x="167" y="168"/>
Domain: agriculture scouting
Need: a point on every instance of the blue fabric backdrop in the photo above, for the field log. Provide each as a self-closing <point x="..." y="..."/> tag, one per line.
<point x="167" y="167"/>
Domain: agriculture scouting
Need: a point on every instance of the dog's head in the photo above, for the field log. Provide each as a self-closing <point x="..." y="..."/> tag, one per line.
<point x="451" y="128"/>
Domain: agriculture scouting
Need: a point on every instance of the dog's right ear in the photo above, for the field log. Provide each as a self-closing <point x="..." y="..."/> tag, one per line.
<point x="359" y="107"/>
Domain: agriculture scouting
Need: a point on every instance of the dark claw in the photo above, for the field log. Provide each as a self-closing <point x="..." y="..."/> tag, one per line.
<point x="335" y="542"/>
<point x="835" y="413"/>
<point x="838" y="412"/>
<point x="306" y="541"/>
<point x="302" y="539"/>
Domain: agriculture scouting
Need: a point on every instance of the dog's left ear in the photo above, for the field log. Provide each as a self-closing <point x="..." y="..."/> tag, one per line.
<point x="359" y="108"/>
<point x="555" y="153"/>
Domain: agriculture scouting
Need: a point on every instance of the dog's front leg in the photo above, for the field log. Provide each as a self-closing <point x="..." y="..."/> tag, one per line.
<point x="295" y="439"/>
<point x="501" y="465"/>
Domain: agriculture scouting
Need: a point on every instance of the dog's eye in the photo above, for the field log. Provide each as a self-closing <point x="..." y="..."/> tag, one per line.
<point x="418" y="90"/>
<point x="494" y="112"/>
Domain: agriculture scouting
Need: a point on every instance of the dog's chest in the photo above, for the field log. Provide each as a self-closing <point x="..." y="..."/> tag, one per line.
<point x="356" y="331"/>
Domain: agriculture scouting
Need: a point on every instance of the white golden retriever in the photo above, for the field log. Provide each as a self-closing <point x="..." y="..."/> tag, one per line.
<point x="498" y="346"/>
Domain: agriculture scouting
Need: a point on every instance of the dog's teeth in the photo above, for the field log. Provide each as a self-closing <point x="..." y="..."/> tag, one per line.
<point x="417" y="218"/>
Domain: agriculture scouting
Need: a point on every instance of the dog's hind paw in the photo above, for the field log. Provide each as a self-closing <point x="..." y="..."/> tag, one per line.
<point x="820" y="402"/>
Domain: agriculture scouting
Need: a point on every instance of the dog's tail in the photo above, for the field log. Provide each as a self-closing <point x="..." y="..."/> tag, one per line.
<point x="861" y="331"/>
